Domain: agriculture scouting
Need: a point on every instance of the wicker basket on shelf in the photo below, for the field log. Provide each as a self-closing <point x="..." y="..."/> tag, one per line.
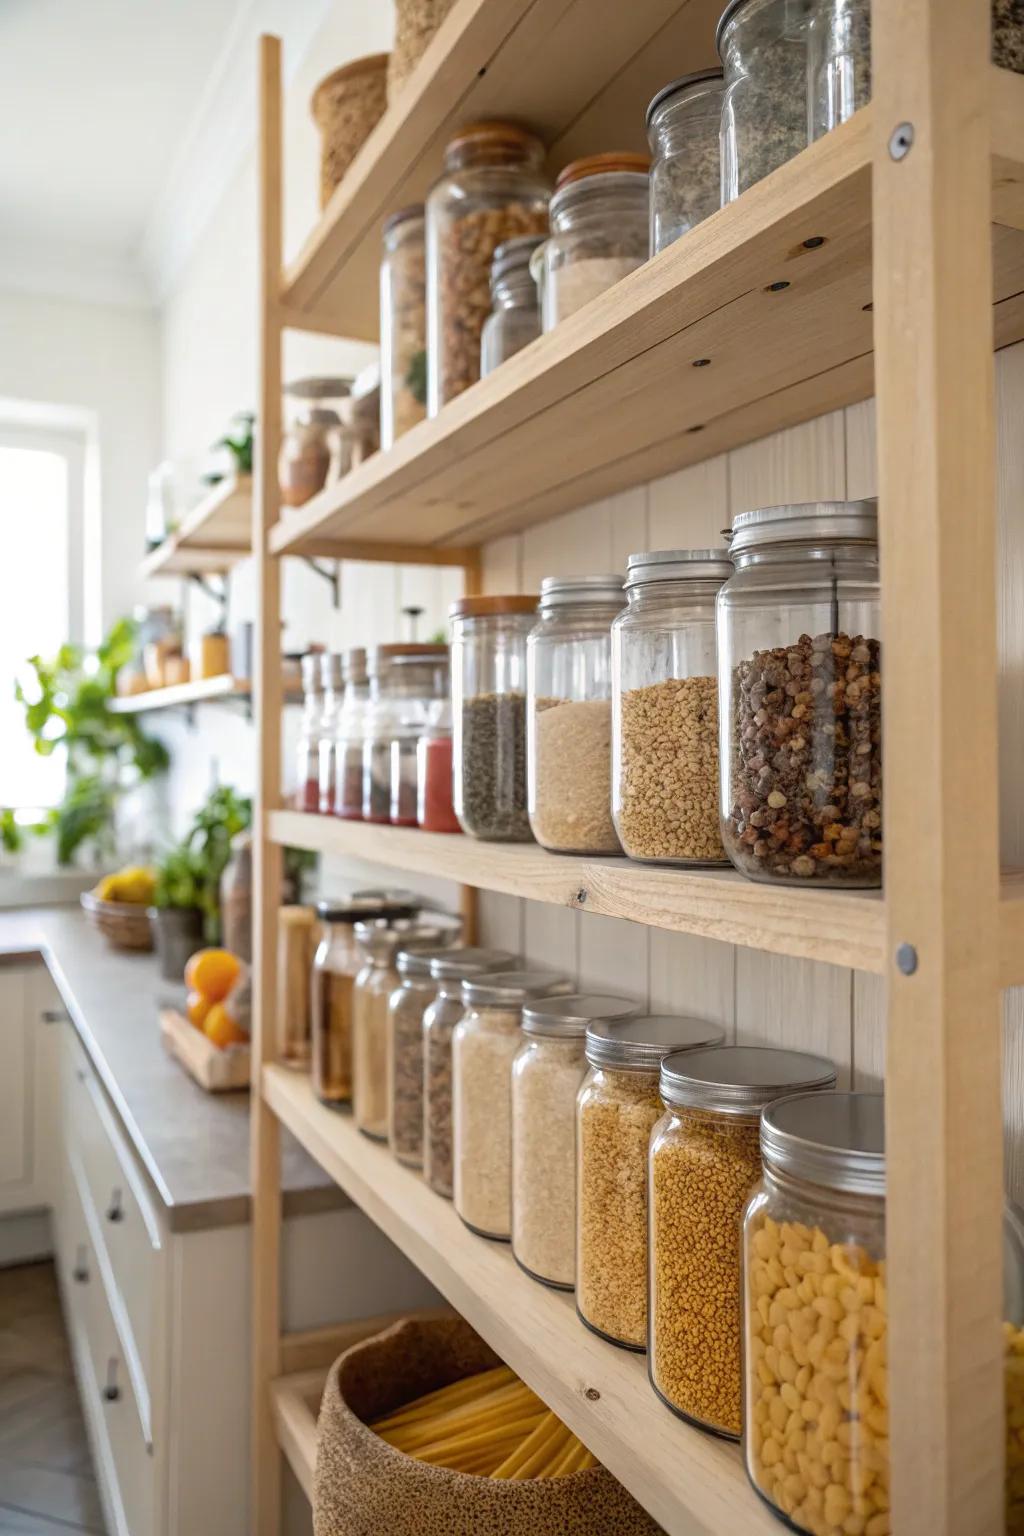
<point x="416" y="21"/>
<point x="346" y="107"/>
<point x="124" y="924"/>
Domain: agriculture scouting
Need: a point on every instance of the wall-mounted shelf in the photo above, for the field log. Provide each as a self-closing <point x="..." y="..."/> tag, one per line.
<point x="215" y="536"/>
<point x="207" y="690"/>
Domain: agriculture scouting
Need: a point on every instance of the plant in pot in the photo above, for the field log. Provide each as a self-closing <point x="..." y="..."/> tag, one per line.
<point x="186" y="902"/>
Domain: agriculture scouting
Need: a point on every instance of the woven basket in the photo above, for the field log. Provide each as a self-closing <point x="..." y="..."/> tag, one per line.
<point x="416" y="21"/>
<point x="124" y="924"/>
<point x="364" y="1487"/>
<point x="346" y="108"/>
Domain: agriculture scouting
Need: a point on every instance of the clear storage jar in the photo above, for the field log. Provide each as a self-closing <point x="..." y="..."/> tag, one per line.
<point x="514" y="320"/>
<point x="350" y="731"/>
<point x="684" y="123"/>
<point x="489" y="637"/>
<point x="435" y="806"/>
<point x="493" y="188"/>
<point x="379" y="943"/>
<point x="665" y="708"/>
<point x="307" y="748"/>
<point x="817" y="1348"/>
<point x="403" y="324"/>
<point x="616" y="1111"/>
<point x="415" y="991"/>
<point x="600" y="214"/>
<point x="332" y="688"/>
<point x="403" y="679"/>
<point x="763" y="48"/>
<point x="705" y="1161"/>
<point x="413" y="717"/>
<point x="484" y="1045"/>
<point x="547" y="1072"/>
<point x="310" y="442"/>
<point x="800" y="696"/>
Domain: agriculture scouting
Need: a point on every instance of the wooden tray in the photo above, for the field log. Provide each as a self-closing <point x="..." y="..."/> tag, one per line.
<point x="215" y="1070"/>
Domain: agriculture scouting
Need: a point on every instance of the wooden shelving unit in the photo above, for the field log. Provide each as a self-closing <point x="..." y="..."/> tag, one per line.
<point x="182" y="695"/>
<point x="215" y="536"/>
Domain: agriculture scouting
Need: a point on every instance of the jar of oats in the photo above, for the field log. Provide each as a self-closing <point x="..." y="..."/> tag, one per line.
<point x="599" y="232"/>
<point x="616" y="1111"/>
<point x="407" y="1004"/>
<point x="705" y="1160"/>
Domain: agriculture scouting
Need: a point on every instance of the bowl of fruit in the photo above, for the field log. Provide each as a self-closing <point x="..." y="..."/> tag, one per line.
<point x="117" y="907"/>
<point x="211" y="1038"/>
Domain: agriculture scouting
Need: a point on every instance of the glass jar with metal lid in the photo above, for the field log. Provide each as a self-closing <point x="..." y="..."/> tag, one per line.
<point x="514" y="320"/>
<point x="307" y="748"/>
<point x="704" y="1162"/>
<point x="484" y="1045"/>
<point x="616" y="1110"/>
<point x="800" y="695"/>
<point x="569" y="714"/>
<point x="403" y="324"/>
<point x="547" y="1072"/>
<point x="411" y="717"/>
<point x="332" y="682"/>
<point x="600" y="213"/>
<point x="350" y="728"/>
<point x="489" y="715"/>
<point x="683" y="128"/>
<point x="448" y="971"/>
<point x="665" y="708"/>
<point x="818" y="1348"/>
<point x="415" y="991"/>
<point x="763" y="48"/>
<point x="403" y="680"/>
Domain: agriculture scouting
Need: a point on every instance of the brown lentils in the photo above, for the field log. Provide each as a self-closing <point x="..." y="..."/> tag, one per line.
<point x="668" y="795"/>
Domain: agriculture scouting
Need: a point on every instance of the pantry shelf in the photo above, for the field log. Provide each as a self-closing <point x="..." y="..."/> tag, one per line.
<point x="215" y="536"/>
<point x="295" y="1405"/>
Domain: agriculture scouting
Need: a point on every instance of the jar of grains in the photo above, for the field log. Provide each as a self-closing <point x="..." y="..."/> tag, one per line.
<point x="514" y="320"/>
<point x="448" y="971"/>
<point x="600" y="213"/>
<point x="816" y="1316"/>
<point x="704" y="1162"/>
<point x="763" y="48"/>
<point x="665" y="708"/>
<point x="616" y="1110"/>
<point x="484" y="1045"/>
<point x="683" y="128"/>
<point x="403" y="324"/>
<point x="569" y="714"/>
<point x="403" y="680"/>
<point x="332" y="684"/>
<point x="349" y="731"/>
<point x="415" y="991"/>
<point x="547" y="1072"/>
<point x="800" y="693"/>
<point x="307" y="748"/>
<point x="494" y="188"/>
<point x="489" y="715"/>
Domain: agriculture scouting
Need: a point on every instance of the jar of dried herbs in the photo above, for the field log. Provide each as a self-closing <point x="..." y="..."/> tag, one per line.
<point x="599" y="231"/>
<point x="763" y="48"/>
<point x="683" y="128"/>
<point x="407" y="1004"/>
<point x="403" y="324"/>
<point x="489" y="715"/>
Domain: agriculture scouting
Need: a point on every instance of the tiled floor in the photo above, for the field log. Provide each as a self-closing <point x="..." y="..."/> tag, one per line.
<point x="47" y="1486"/>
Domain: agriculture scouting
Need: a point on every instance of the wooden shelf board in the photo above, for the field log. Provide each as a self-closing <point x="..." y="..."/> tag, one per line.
<point x="182" y="695"/>
<point x="690" y="1482"/>
<point x="216" y="535"/>
<point x="295" y="1405"/>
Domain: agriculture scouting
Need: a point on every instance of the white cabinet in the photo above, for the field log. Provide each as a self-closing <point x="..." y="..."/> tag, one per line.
<point x="28" y="1057"/>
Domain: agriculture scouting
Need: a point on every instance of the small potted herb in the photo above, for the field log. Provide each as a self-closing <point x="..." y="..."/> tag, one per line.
<point x="186" y="903"/>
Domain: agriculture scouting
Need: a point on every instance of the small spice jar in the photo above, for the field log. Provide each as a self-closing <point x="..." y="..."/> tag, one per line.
<point x="403" y="324"/>
<point x="569" y="714"/>
<point x="683" y="129"/>
<point x="547" y="1072"/>
<point x="600" y="214"/>
<point x="296" y="947"/>
<point x="412" y="716"/>
<point x="435" y="807"/>
<point x="332" y="693"/>
<point x="800" y="691"/>
<point x="349" y="734"/>
<point x="514" y="320"/>
<point x="665" y="708"/>
<point x="403" y="680"/>
<point x="448" y="971"/>
<point x="484" y="1045"/>
<point x="763" y="48"/>
<point x="307" y="748"/>
<point x="704" y="1162"/>
<point x="489" y="715"/>
<point x="617" y="1108"/>
<point x="310" y="440"/>
<point x="816" y="1316"/>
<point x="415" y="991"/>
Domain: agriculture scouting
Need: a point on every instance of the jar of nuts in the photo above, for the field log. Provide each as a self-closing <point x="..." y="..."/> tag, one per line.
<point x="403" y="324"/>
<point x="494" y="188"/>
<point x="599" y="231"/>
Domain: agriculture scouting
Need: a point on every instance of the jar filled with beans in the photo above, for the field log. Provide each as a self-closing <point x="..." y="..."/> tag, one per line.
<point x="407" y="1004"/>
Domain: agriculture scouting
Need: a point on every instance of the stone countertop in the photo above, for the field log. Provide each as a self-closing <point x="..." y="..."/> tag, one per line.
<point x="193" y="1145"/>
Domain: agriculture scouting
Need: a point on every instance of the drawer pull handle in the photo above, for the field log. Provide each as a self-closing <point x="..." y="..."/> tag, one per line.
<point x="115" y="1210"/>
<point x="80" y="1273"/>
<point x="111" y="1392"/>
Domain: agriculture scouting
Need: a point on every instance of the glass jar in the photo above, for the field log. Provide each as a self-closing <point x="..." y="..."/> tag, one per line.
<point x="349" y="733"/>
<point x="296" y="947"/>
<point x="489" y="715"/>
<point x="705" y="1160"/>
<point x="514" y="320"/>
<point x="484" y="1045"/>
<point x="236" y="898"/>
<point x="616" y="1111"/>
<point x="403" y="324"/>
<point x="547" y="1072"/>
<point x="448" y="971"/>
<point x="600" y="213"/>
<point x="309" y="440"/>
<point x="819" y="1214"/>
<point x="435" y="807"/>
<point x="493" y="188"/>
<point x="403" y="679"/>
<point x="569" y="714"/>
<point x="415" y="991"/>
<point x="665" y="708"/>
<point x="683" y="129"/>
<point x="800" y="695"/>
<point x="332" y="682"/>
<point x="307" y="750"/>
<point x="412" y="719"/>
<point x="763" y="47"/>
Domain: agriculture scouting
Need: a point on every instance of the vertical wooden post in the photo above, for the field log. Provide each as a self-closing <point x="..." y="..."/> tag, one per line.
<point x="934" y="381"/>
<point x="265" y="1514"/>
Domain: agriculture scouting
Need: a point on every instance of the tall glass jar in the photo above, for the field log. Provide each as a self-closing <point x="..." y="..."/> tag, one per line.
<point x="403" y="679"/>
<point x="493" y="188"/>
<point x="484" y="1045"/>
<point x="307" y="749"/>
<point x="514" y="320"/>
<point x="819" y="1211"/>
<point x="350" y="730"/>
<point x="448" y="971"/>
<point x="800" y="695"/>
<point x="704" y="1161"/>
<point x="403" y="324"/>
<point x="683" y="129"/>
<point x="379" y="943"/>
<point x="600" y="214"/>
<point x="665" y="708"/>
<point x="435" y="807"/>
<point x="415" y="991"/>
<point x="616" y="1110"/>
<point x="411" y="720"/>
<point x="763" y="48"/>
<point x="489" y="715"/>
<point x="332" y="685"/>
<point x="547" y="1072"/>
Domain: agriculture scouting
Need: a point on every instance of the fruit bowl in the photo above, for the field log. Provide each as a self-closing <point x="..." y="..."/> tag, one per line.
<point x="124" y="924"/>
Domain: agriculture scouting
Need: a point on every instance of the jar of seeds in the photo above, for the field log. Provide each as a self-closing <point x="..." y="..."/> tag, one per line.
<point x="403" y="324"/>
<point x="763" y="48"/>
<point x="403" y="681"/>
<point x="617" y="1108"/>
<point x="704" y="1164"/>
<point x="800" y="693"/>
<point x="489" y="715"/>
<point x="514" y="320"/>
<point x="599" y="232"/>
<point x="665" y="708"/>
<point x="407" y="1004"/>
<point x="683" y="128"/>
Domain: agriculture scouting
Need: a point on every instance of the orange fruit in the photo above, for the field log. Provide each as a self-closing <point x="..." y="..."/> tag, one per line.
<point x="197" y="1007"/>
<point x="221" y="1028"/>
<point x="213" y="972"/>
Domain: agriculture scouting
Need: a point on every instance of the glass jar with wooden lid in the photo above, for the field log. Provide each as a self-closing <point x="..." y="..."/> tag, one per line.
<point x="599" y="231"/>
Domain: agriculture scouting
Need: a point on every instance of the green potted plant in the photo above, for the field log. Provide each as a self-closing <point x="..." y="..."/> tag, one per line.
<point x="186" y="903"/>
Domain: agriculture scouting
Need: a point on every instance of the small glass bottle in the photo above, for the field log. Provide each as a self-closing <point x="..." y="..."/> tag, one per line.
<point x="415" y="991"/>
<point x="763" y="48"/>
<point x="411" y="717"/>
<point x="403" y="679"/>
<point x="514" y="320"/>
<point x="683" y="128"/>
<point x="332" y="693"/>
<point x="600" y="214"/>
<point x="307" y="751"/>
<point x="435" y="806"/>
<point x="349" y="734"/>
<point x="403" y="324"/>
<point x="489" y="715"/>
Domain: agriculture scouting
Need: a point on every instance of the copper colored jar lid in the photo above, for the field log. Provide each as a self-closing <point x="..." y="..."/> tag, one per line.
<point x="614" y="162"/>
<point x="399" y="651"/>
<point x="495" y="138"/>
<point x="492" y="607"/>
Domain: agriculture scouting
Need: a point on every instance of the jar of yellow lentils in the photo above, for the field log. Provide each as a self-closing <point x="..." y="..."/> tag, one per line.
<point x="816" y="1416"/>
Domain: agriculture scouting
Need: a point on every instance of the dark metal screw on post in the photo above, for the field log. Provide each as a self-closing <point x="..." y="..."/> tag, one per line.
<point x="592" y="1394"/>
<point x="900" y="140"/>
<point x="906" y="959"/>
<point x="581" y="896"/>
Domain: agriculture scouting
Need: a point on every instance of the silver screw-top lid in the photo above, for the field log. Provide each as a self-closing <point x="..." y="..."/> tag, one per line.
<point x="511" y="989"/>
<point x="740" y="1079"/>
<point x="836" y="1140"/>
<point x="641" y="1044"/>
<point x="832" y="522"/>
<point x="676" y="88"/>
<point x="567" y="1018"/>
<point x="678" y="565"/>
<point x="364" y="906"/>
<point x="564" y="591"/>
<point x="309" y="671"/>
<point x="451" y="967"/>
<point x="382" y="939"/>
<point x="331" y="671"/>
<point x="415" y="956"/>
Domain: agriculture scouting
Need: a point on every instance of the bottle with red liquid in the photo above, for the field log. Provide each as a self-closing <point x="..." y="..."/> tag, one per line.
<point x="435" y="811"/>
<point x="307" y="752"/>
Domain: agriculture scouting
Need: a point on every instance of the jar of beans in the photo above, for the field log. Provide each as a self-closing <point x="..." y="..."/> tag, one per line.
<point x="403" y="681"/>
<point x="763" y="48"/>
<point x="349" y="731"/>
<point x="407" y="1004"/>
<point x="599" y="232"/>
<point x="705" y="1162"/>
<point x="665" y="708"/>
<point x="800" y="691"/>
<point x="616" y="1111"/>
<point x="683" y="127"/>
<point x="489" y="715"/>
